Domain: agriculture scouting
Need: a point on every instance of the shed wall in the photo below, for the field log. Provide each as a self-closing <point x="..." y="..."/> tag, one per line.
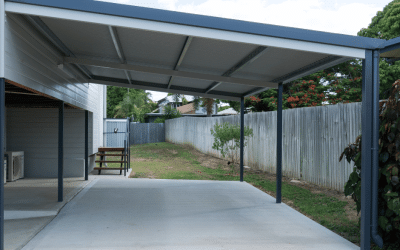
<point x="35" y="131"/>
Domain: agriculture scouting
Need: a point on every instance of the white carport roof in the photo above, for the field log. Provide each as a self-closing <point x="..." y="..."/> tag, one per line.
<point x="160" y="50"/>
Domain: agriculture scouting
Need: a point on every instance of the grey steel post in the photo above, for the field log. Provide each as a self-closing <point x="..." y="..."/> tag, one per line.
<point x="279" y="146"/>
<point x="2" y="118"/>
<point x="60" y="151"/>
<point x="129" y="142"/>
<point x="104" y="116"/>
<point x="241" y="136"/>
<point x="125" y="157"/>
<point x="366" y="143"/>
<point x="375" y="150"/>
<point x="86" y="145"/>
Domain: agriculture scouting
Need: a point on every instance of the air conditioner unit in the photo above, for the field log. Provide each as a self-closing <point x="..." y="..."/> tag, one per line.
<point x="15" y="165"/>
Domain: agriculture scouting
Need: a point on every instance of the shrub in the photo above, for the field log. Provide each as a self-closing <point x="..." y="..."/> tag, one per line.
<point x="159" y="120"/>
<point x="389" y="164"/>
<point x="227" y="139"/>
<point x="169" y="113"/>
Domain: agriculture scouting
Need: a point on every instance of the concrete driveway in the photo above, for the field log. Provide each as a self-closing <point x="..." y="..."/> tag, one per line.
<point x="181" y="214"/>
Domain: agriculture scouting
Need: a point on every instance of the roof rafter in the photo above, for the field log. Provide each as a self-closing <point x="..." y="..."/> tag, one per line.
<point x="324" y="63"/>
<point x="244" y="62"/>
<point x="46" y="31"/>
<point x="162" y="87"/>
<point x="181" y="57"/>
<point x="168" y="72"/>
<point x="118" y="48"/>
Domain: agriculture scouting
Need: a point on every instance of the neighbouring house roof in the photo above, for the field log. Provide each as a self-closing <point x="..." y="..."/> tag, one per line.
<point x="156" y="110"/>
<point x="186" y="108"/>
<point x="229" y="111"/>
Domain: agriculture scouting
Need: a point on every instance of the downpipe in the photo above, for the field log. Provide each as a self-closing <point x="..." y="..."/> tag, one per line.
<point x="375" y="152"/>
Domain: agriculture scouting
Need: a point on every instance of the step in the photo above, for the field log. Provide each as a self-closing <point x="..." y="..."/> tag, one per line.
<point x="110" y="149"/>
<point x="111" y="154"/>
<point x="112" y="161"/>
<point x="108" y="168"/>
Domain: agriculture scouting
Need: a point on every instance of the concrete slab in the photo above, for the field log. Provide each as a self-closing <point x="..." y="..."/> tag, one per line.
<point x="19" y="232"/>
<point x="30" y="204"/>
<point x="179" y="214"/>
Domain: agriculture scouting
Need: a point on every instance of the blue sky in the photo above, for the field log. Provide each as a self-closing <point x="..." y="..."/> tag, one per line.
<point x="336" y="16"/>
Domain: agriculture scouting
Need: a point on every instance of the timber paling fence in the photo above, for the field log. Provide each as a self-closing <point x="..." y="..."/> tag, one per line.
<point x="313" y="139"/>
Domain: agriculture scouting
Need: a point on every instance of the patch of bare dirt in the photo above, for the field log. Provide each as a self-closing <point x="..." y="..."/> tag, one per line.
<point x="207" y="161"/>
<point x="133" y="159"/>
<point x="174" y="152"/>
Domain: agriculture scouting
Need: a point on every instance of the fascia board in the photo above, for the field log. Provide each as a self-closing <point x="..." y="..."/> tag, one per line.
<point x="256" y="34"/>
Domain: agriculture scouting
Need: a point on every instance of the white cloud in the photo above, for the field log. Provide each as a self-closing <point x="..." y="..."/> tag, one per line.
<point x="330" y="16"/>
<point x="156" y="95"/>
<point x="307" y="14"/>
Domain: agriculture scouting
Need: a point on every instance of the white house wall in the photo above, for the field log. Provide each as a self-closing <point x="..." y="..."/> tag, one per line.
<point x="33" y="62"/>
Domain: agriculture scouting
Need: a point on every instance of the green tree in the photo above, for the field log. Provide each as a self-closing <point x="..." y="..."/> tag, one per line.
<point x="341" y="83"/>
<point x="169" y="113"/>
<point x="135" y="104"/>
<point x="223" y="108"/>
<point x="115" y="95"/>
<point x="232" y="104"/>
<point x="386" y="25"/>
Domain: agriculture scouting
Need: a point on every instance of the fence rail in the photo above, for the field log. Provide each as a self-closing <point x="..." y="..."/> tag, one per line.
<point x="313" y="139"/>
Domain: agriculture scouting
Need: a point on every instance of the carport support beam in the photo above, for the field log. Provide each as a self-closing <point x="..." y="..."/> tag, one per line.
<point x="366" y="146"/>
<point x="241" y="136"/>
<point x="375" y="152"/>
<point x="60" y="151"/>
<point x="86" y="145"/>
<point x="2" y="118"/>
<point x="279" y="146"/>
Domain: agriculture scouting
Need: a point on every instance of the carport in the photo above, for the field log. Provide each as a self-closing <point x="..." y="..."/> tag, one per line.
<point x="136" y="47"/>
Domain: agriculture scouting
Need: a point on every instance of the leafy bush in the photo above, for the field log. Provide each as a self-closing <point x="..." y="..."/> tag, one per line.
<point x="227" y="139"/>
<point x="169" y="113"/>
<point x="159" y="120"/>
<point x="389" y="164"/>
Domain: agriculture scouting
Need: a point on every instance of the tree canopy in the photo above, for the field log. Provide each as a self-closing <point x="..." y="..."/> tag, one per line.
<point x="341" y="83"/>
<point x="135" y="103"/>
<point x="114" y="96"/>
